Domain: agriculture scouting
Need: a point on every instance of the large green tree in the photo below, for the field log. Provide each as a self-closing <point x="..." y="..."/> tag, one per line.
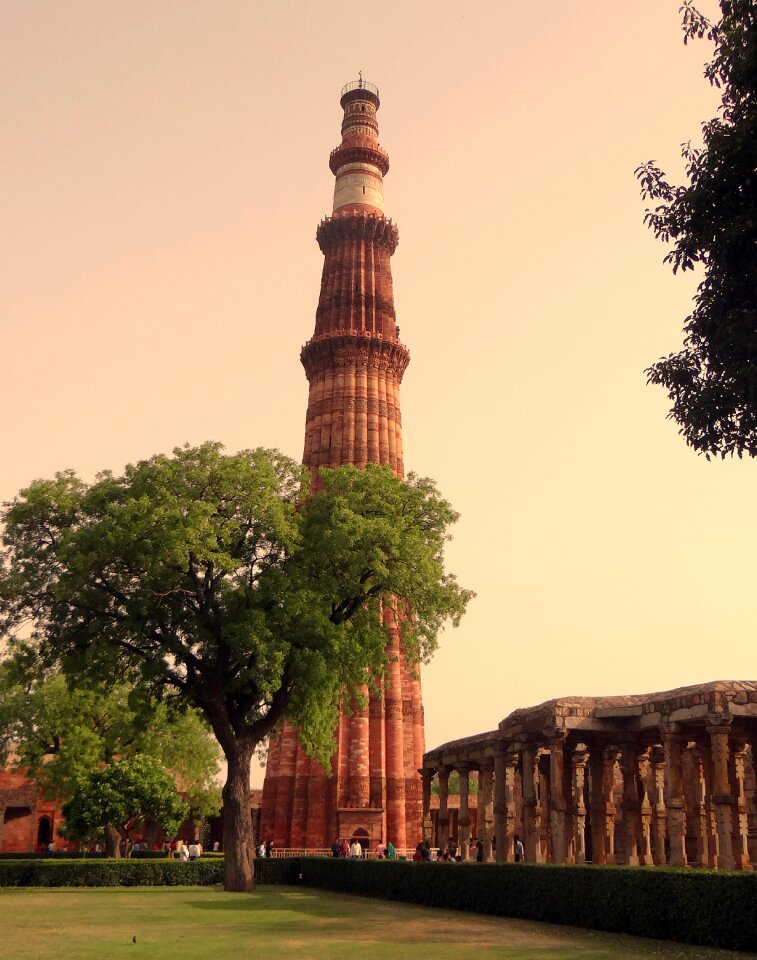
<point x="219" y="577"/>
<point x="712" y="221"/>
<point x="61" y="731"/>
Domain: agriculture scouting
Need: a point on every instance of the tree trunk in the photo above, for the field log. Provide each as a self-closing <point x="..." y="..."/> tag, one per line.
<point x="238" y="840"/>
<point x="112" y="841"/>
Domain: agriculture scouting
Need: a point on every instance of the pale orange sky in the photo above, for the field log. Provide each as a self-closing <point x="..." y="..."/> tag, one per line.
<point x="164" y="166"/>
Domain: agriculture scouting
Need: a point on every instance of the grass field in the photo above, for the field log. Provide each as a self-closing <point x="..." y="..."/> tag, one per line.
<point x="279" y="923"/>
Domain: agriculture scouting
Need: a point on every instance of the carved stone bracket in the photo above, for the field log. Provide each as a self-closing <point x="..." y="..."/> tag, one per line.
<point x="357" y="226"/>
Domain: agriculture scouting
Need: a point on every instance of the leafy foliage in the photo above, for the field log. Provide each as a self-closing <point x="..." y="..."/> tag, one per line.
<point x="60" y="732"/>
<point x="201" y="572"/>
<point x="130" y="790"/>
<point x="217" y="577"/>
<point x="453" y="784"/>
<point x="712" y="221"/>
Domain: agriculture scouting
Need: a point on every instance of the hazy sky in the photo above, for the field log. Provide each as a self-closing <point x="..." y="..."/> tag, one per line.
<point x="163" y="168"/>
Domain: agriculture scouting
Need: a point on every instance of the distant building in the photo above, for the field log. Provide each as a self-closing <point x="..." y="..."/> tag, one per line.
<point x="28" y="821"/>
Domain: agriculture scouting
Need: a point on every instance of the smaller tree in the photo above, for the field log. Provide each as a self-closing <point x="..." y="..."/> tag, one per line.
<point x="58" y="732"/>
<point x="107" y="801"/>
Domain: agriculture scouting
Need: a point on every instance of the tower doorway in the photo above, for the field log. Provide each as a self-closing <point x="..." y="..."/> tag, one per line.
<point x="44" y="832"/>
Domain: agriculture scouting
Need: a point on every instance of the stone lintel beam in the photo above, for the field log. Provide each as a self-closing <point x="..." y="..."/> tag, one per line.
<point x="603" y="725"/>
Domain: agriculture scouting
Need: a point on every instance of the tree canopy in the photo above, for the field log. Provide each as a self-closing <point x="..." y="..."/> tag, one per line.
<point x="453" y="784"/>
<point x="218" y="577"/>
<point x="712" y="221"/>
<point x="115" y="796"/>
<point x="59" y="732"/>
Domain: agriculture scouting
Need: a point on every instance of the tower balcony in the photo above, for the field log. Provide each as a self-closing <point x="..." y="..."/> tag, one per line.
<point x="357" y="226"/>
<point x="359" y="150"/>
<point x="360" y="89"/>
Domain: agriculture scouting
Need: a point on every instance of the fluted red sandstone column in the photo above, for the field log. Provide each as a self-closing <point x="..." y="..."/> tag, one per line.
<point x="354" y="364"/>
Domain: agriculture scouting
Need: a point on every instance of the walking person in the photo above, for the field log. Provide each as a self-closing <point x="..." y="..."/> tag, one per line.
<point x="520" y="853"/>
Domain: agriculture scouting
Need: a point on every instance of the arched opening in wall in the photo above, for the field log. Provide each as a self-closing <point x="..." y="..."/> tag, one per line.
<point x="362" y="836"/>
<point x="44" y="831"/>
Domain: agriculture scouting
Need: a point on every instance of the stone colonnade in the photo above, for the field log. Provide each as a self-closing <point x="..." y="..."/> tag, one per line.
<point x="663" y="779"/>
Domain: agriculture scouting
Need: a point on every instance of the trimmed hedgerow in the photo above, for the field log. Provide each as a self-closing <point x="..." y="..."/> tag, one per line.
<point x="57" y="855"/>
<point x="135" y="873"/>
<point x="109" y="873"/>
<point x="90" y="855"/>
<point x="689" y="906"/>
<point x="278" y="870"/>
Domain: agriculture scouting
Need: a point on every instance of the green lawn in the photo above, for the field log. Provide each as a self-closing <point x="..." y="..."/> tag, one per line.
<point x="278" y="923"/>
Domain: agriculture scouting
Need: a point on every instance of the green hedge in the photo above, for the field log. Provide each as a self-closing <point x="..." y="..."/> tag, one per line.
<point x="134" y="873"/>
<point x="85" y="855"/>
<point x="109" y="873"/>
<point x="278" y="870"/>
<point x="58" y="855"/>
<point x="689" y="906"/>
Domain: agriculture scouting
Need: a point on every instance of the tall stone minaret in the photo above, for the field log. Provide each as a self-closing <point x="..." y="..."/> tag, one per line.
<point x="354" y="363"/>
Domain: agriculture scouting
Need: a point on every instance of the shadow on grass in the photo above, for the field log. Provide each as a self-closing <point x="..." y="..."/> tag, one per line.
<point x="280" y="901"/>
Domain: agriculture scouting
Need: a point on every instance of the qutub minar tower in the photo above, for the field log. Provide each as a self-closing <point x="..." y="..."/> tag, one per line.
<point x="354" y="364"/>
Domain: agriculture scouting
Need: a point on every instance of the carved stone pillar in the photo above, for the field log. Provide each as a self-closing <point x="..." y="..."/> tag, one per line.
<point x="530" y="824"/>
<point x="444" y="833"/>
<point x="578" y="843"/>
<point x="511" y="763"/>
<point x="738" y="781"/>
<point x="721" y="795"/>
<point x="645" y="775"/>
<point x="611" y="760"/>
<point x="427" y="775"/>
<point x="752" y="798"/>
<point x="675" y="803"/>
<point x="660" y="815"/>
<point x="602" y="772"/>
<point x="631" y="822"/>
<point x="485" y="810"/>
<point x="500" y="804"/>
<point x="463" y="821"/>
<point x="541" y="789"/>
<point x="597" y="810"/>
<point x="557" y="799"/>
<point x="700" y="812"/>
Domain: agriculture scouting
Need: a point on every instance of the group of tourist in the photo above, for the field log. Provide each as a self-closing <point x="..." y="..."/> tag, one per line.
<point x="450" y="853"/>
<point x="356" y="851"/>
<point x="388" y="852"/>
<point x="342" y="848"/>
<point x="185" y="852"/>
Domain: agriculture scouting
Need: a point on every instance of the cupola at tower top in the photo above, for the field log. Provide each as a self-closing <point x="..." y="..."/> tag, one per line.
<point x="359" y="163"/>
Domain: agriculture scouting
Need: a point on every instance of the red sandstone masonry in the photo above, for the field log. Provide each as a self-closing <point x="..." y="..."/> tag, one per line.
<point x="354" y="364"/>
